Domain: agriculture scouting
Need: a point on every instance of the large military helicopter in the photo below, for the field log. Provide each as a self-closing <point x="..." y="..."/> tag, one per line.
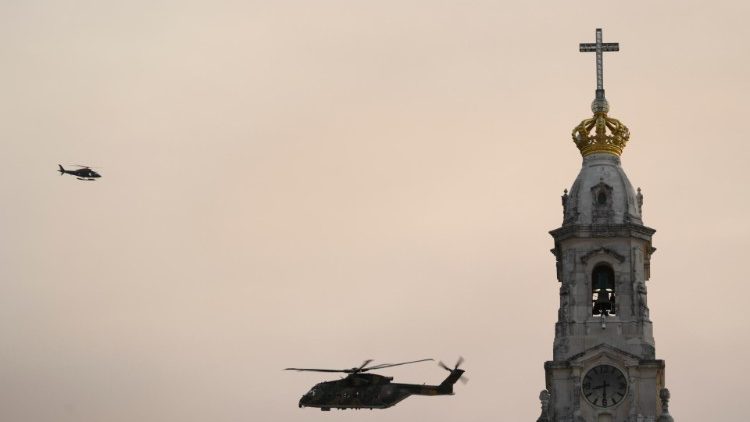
<point x="371" y="391"/>
<point x="83" y="173"/>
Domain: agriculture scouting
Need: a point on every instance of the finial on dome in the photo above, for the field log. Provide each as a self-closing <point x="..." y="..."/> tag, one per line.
<point x="600" y="104"/>
<point x="600" y="133"/>
<point x="665" y="416"/>
<point x="599" y="47"/>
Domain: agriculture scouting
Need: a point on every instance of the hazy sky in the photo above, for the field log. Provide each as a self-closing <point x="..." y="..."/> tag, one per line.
<point x="315" y="183"/>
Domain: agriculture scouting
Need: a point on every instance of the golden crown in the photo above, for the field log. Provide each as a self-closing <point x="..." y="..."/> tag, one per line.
<point x="601" y="134"/>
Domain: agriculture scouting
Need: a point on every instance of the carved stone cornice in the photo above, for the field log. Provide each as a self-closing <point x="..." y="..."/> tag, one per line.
<point x="603" y="230"/>
<point x="576" y="359"/>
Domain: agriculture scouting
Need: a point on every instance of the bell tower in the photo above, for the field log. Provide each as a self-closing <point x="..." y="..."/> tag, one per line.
<point x="603" y="367"/>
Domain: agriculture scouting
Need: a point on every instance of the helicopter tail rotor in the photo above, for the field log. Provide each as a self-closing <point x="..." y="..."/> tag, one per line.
<point x="458" y="363"/>
<point x="456" y="374"/>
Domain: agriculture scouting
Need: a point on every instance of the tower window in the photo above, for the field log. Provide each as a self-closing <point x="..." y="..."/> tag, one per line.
<point x="601" y="198"/>
<point x="603" y="290"/>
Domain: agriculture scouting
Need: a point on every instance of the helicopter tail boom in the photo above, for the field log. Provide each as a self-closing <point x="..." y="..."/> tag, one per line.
<point x="446" y="387"/>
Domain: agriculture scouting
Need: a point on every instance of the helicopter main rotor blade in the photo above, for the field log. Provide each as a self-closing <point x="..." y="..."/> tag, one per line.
<point x="317" y="370"/>
<point x="346" y="371"/>
<point x="388" y="365"/>
<point x="361" y="368"/>
<point x="356" y="370"/>
<point x="82" y="166"/>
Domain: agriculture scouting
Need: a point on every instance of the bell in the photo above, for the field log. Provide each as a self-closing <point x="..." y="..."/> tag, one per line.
<point x="602" y="304"/>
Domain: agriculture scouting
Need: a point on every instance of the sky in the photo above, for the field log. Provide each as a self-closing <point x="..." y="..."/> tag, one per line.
<point x="315" y="183"/>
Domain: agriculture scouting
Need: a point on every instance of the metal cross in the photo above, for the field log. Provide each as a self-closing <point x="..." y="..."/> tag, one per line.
<point x="599" y="47"/>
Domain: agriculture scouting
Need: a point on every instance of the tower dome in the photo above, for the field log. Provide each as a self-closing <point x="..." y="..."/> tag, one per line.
<point x="602" y="194"/>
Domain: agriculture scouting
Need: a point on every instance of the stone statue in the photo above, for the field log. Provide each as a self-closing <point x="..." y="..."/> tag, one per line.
<point x="639" y="198"/>
<point x="562" y="313"/>
<point x="642" y="302"/>
<point x="544" y="397"/>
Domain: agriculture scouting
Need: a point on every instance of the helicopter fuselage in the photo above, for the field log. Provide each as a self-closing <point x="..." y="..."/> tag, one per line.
<point x="85" y="173"/>
<point x="370" y="391"/>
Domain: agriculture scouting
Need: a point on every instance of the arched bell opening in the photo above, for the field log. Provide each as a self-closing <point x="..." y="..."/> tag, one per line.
<point x="603" y="290"/>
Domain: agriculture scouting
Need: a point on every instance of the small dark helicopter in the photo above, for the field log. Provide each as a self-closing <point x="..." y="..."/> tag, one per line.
<point x="371" y="391"/>
<point x="83" y="173"/>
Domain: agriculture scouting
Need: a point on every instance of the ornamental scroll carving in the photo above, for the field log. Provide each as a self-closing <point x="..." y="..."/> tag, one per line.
<point x="603" y="250"/>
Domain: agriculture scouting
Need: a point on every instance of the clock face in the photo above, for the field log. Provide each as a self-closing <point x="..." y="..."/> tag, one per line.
<point x="604" y="386"/>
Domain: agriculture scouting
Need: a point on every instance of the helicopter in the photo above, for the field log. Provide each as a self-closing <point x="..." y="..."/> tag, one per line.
<point x="359" y="390"/>
<point x="83" y="173"/>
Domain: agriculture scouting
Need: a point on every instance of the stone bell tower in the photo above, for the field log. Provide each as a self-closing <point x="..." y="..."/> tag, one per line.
<point x="603" y="366"/>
